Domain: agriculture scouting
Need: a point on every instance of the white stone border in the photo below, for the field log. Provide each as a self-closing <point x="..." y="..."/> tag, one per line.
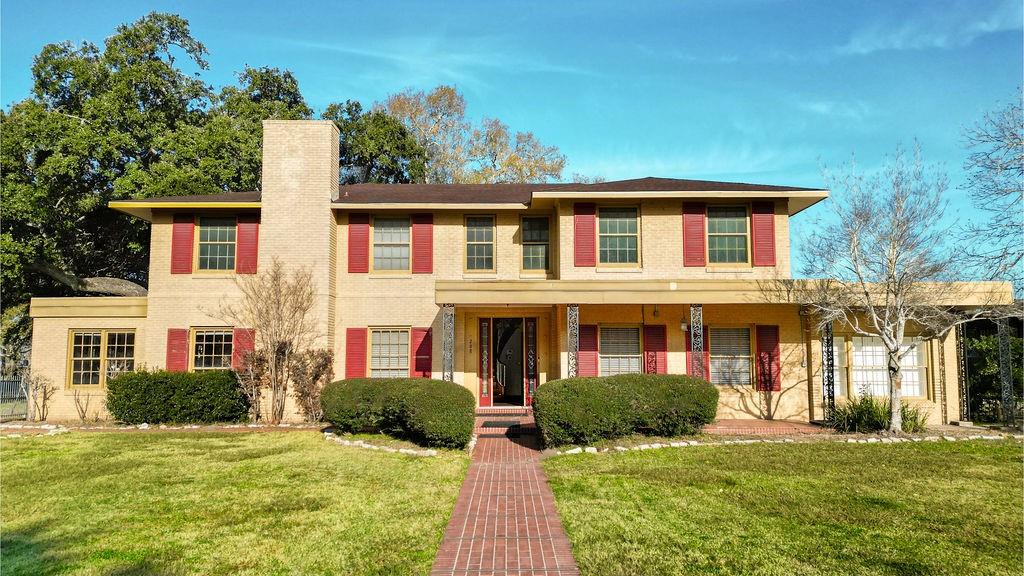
<point x="868" y="440"/>
<point x="366" y="445"/>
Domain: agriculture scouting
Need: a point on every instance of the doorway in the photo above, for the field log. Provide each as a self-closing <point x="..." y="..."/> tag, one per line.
<point x="507" y="351"/>
<point x="508" y="361"/>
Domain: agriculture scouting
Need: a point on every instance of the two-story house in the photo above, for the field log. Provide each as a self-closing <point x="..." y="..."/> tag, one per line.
<point x="499" y="288"/>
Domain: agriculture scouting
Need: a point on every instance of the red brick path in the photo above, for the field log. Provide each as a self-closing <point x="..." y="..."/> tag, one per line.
<point x="505" y="521"/>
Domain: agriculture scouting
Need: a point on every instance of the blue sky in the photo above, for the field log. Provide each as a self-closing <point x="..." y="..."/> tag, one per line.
<point x="748" y="90"/>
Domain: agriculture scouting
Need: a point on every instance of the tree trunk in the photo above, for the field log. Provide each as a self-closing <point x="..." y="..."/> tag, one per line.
<point x="895" y="393"/>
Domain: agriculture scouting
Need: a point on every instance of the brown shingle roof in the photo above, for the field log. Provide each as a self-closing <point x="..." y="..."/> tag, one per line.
<point x="522" y="193"/>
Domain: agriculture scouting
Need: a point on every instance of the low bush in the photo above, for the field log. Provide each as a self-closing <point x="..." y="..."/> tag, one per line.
<point x="176" y="397"/>
<point x="584" y="410"/>
<point x="428" y="412"/>
<point x="871" y="414"/>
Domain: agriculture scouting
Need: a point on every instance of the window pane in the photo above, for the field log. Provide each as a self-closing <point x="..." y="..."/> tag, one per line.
<point x="727" y="235"/>
<point x="212" y="350"/>
<point x="730" y="356"/>
<point x="619" y="351"/>
<point x="120" y="353"/>
<point x="480" y="256"/>
<point x="391" y="243"/>
<point x="85" y="358"/>
<point x="217" y="243"/>
<point x="617" y="239"/>
<point x="535" y="230"/>
<point x="389" y="353"/>
<point x="535" y="257"/>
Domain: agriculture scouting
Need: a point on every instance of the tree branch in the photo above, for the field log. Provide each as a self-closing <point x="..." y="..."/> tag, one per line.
<point x="96" y="285"/>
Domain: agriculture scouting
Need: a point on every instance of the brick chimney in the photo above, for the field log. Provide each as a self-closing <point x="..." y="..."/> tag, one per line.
<point x="297" y="224"/>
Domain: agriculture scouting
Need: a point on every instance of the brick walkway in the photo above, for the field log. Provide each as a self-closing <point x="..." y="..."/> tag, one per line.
<point x="505" y="522"/>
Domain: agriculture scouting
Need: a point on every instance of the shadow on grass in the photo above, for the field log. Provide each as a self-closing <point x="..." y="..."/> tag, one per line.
<point x="36" y="550"/>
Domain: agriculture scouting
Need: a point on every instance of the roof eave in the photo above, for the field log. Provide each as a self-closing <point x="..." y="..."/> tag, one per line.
<point x="144" y="210"/>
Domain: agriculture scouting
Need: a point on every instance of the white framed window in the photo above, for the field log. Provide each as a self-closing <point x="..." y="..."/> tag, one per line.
<point x="838" y="367"/>
<point x="391" y="242"/>
<point x="727" y="235"/>
<point x="618" y="236"/>
<point x="479" y="243"/>
<point x="870" y="373"/>
<point x="730" y="356"/>
<point x="536" y="242"/>
<point x="619" y="350"/>
<point x="217" y="243"/>
<point x="211" y="349"/>
<point x="389" y="352"/>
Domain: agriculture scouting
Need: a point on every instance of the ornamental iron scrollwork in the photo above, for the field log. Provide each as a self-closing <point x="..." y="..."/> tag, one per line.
<point x="697" y="341"/>
<point x="573" y="317"/>
<point x="448" y="342"/>
<point x="531" y="356"/>
<point x="961" y="375"/>
<point x="828" y="368"/>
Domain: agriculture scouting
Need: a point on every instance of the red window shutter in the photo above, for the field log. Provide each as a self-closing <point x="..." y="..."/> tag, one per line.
<point x="693" y="235"/>
<point x="422" y="243"/>
<point x="422" y="352"/>
<point x="655" y="350"/>
<point x="358" y="243"/>
<point x="762" y="233"/>
<point x="182" y="234"/>
<point x="707" y="354"/>
<point x="177" y="350"/>
<point x="247" y="243"/>
<point x="586" y="361"/>
<point x="769" y="367"/>
<point x="585" y="234"/>
<point x="355" y="353"/>
<point x="243" y="341"/>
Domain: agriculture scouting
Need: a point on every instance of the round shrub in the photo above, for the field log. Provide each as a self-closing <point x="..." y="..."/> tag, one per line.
<point x="426" y="411"/>
<point x="176" y="397"/>
<point x="584" y="410"/>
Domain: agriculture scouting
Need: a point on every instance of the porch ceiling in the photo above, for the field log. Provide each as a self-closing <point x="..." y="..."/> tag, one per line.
<point x="547" y="292"/>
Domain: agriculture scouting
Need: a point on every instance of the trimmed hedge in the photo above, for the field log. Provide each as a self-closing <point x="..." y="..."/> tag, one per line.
<point x="584" y="410"/>
<point x="428" y="412"/>
<point x="176" y="397"/>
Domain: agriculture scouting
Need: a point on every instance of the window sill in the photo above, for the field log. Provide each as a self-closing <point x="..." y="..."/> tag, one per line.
<point x="540" y="275"/>
<point x="213" y="275"/>
<point x="401" y="276"/>
<point x="616" y="270"/>
<point x="724" y="270"/>
<point x="480" y="276"/>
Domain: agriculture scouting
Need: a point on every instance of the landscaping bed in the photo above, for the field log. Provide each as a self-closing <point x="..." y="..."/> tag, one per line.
<point x="795" y="508"/>
<point x="220" y="503"/>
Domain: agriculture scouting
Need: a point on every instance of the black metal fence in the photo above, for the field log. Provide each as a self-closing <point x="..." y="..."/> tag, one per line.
<point x="13" y="399"/>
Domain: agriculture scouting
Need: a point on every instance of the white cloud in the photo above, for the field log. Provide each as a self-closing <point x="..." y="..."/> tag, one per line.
<point x="941" y="27"/>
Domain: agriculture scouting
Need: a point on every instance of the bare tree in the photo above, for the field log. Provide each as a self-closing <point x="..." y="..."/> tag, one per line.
<point x="311" y="370"/>
<point x="995" y="181"/>
<point x="40" y="392"/>
<point x="252" y="375"/>
<point x="277" y="305"/>
<point x="884" y="265"/>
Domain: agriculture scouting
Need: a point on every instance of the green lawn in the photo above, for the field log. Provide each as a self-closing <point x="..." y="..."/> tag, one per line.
<point x="817" y="508"/>
<point x="219" y="503"/>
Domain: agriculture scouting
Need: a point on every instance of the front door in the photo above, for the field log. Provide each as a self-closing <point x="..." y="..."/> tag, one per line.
<point x="507" y="352"/>
<point x="508" y="361"/>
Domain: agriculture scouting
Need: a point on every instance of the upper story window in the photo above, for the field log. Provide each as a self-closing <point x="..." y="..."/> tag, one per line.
<point x="727" y="235"/>
<point x="391" y="244"/>
<point x="211" y="349"/>
<point x="389" y="353"/>
<point x="536" y="243"/>
<point x="619" y="350"/>
<point x="97" y="355"/>
<point x="618" y="236"/>
<point x="217" y="239"/>
<point x="480" y="243"/>
<point x="730" y="356"/>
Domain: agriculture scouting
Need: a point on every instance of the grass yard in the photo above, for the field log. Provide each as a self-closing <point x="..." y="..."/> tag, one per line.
<point x="219" y="503"/>
<point x="817" y="508"/>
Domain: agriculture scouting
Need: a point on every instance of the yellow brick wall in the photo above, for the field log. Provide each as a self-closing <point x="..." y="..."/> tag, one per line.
<point x="661" y="245"/>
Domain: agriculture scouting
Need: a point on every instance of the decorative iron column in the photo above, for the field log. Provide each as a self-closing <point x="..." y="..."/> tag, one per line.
<point x="1004" y="370"/>
<point x="942" y="380"/>
<point x="697" y="341"/>
<point x="828" y="369"/>
<point x="573" y="317"/>
<point x="961" y="374"/>
<point x="448" y="342"/>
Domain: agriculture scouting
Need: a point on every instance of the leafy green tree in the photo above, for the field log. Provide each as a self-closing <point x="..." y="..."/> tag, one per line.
<point x="375" y="147"/>
<point x="983" y="375"/>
